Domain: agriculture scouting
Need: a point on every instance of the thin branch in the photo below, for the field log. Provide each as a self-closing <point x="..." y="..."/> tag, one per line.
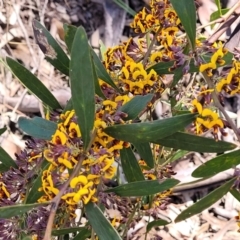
<point x="219" y="20"/>
<point x="222" y="29"/>
<point x="228" y="18"/>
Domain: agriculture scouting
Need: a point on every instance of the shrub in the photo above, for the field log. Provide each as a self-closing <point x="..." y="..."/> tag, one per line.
<point x="72" y="164"/>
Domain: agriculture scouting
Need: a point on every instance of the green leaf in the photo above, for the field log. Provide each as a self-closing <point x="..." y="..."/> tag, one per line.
<point x="135" y="106"/>
<point x="186" y="12"/>
<point x="69" y="106"/>
<point x="149" y="131"/>
<point x="156" y="223"/>
<point x="51" y="49"/>
<point x="102" y="72"/>
<point x="27" y="238"/>
<point x="205" y="202"/>
<point x="124" y="6"/>
<point x="227" y="58"/>
<point x="217" y="165"/>
<point x="63" y="231"/>
<point x="34" y="194"/>
<point x="161" y="67"/>
<point x="19" y="209"/>
<point x="218" y="3"/>
<point x="100" y="224"/>
<point x="235" y="193"/>
<point x="217" y="14"/>
<point x="143" y="188"/>
<point x="38" y="127"/>
<point x="178" y="154"/>
<point x="82" y="77"/>
<point x="103" y="48"/>
<point x="2" y="130"/>
<point x="69" y="33"/>
<point x="178" y="74"/>
<point x="145" y="152"/>
<point x="33" y="84"/>
<point x="130" y="165"/>
<point x="6" y="161"/>
<point x="83" y="235"/>
<point x="98" y="89"/>
<point x="188" y="142"/>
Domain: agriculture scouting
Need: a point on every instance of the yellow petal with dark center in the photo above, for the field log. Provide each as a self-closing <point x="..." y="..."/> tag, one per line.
<point x="80" y="179"/>
<point x="65" y="162"/>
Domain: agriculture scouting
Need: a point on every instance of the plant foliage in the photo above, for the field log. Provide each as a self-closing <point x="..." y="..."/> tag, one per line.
<point x="106" y="147"/>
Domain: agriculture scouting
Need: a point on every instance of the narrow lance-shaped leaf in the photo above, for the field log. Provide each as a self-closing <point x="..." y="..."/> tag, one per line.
<point x="83" y="234"/>
<point x="98" y="89"/>
<point x="177" y="155"/>
<point x="16" y="210"/>
<point x="217" y="14"/>
<point x="235" y="193"/>
<point x="178" y="74"/>
<point x="82" y="74"/>
<point x="26" y="238"/>
<point x="145" y="152"/>
<point x="69" y="33"/>
<point x="184" y="141"/>
<point x="103" y="48"/>
<point x="69" y="106"/>
<point x="125" y="6"/>
<point x="38" y="127"/>
<point x="164" y="67"/>
<point x="102" y="73"/>
<point x="217" y="164"/>
<point x="161" y="68"/>
<point x="149" y="131"/>
<point x="63" y="231"/>
<point x="135" y="106"/>
<point x="33" y="84"/>
<point x="6" y="161"/>
<point x="218" y="6"/>
<point x="130" y="165"/>
<point x="102" y="227"/>
<point x="143" y="188"/>
<point x="51" y="49"/>
<point x="186" y="12"/>
<point x="2" y="130"/>
<point x="205" y="202"/>
<point x="156" y="223"/>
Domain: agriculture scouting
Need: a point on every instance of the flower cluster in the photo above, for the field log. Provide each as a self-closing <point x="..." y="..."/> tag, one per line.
<point x="65" y="150"/>
<point x="231" y="84"/>
<point x="137" y="81"/>
<point x="160" y="16"/>
<point x="216" y="58"/>
<point x="207" y="119"/>
<point x="14" y="189"/>
<point x="163" y="21"/>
